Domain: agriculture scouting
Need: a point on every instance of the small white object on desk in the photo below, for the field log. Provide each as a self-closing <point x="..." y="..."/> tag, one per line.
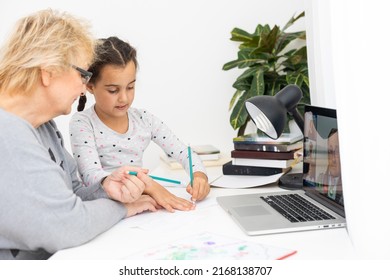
<point x="240" y="182"/>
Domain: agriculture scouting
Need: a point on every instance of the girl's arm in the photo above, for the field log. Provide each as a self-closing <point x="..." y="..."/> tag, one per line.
<point x="85" y="152"/>
<point x="171" y="144"/>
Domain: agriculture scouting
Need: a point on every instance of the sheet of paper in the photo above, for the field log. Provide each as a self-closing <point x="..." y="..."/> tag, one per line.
<point x="238" y="182"/>
<point x="208" y="246"/>
<point x="163" y="219"/>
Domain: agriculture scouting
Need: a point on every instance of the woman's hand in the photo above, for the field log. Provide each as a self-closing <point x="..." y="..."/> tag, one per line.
<point x="121" y="186"/>
<point x="167" y="200"/>
<point x="144" y="203"/>
<point x="200" y="188"/>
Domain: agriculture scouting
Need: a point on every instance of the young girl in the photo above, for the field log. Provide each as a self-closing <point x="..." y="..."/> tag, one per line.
<point x="112" y="133"/>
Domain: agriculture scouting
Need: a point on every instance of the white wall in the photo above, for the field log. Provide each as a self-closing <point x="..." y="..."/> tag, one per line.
<point x="351" y="73"/>
<point x="182" y="46"/>
<point x="319" y="42"/>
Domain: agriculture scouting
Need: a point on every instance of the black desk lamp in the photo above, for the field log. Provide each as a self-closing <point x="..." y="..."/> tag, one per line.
<point x="269" y="115"/>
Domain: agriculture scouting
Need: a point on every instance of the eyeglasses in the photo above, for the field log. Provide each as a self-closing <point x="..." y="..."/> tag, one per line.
<point x="85" y="75"/>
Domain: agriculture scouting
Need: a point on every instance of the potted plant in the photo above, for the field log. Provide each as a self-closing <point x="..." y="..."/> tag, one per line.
<point x="269" y="63"/>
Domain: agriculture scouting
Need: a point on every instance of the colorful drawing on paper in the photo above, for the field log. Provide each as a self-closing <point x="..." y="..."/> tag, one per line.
<point x="206" y="246"/>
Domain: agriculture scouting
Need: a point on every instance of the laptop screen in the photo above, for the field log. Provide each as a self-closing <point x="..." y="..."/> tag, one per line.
<point x="321" y="157"/>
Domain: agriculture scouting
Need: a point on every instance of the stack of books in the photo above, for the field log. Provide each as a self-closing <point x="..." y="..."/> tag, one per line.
<point x="209" y="154"/>
<point x="260" y="155"/>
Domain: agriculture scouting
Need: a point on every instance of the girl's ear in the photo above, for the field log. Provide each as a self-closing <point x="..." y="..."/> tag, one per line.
<point x="90" y="88"/>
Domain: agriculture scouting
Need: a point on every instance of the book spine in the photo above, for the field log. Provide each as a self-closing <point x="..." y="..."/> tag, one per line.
<point x="265" y="162"/>
<point x="231" y="169"/>
<point x="262" y="155"/>
<point x="259" y="147"/>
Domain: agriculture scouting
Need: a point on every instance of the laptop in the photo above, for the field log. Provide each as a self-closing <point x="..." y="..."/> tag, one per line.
<point x="320" y="202"/>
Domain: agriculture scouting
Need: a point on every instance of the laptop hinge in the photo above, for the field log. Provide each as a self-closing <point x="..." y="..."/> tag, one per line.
<point x="333" y="206"/>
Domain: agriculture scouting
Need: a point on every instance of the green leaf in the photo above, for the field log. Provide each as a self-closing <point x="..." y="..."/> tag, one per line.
<point x="257" y="87"/>
<point x="244" y="81"/>
<point x="245" y="59"/>
<point x="286" y="38"/>
<point x="306" y="94"/>
<point x="240" y="35"/>
<point x="239" y="114"/>
<point x="266" y="29"/>
<point x="247" y="73"/>
<point x="268" y="41"/>
<point x="243" y="84"/>
<point x="258" y="52"/>
<point x="296" y="61"/>
<point x="306" y="81"/>
<point x="273" y="87"/>
<point x="300" y="56"/>
<point x="295" y="78"/>
<point x="292" y="20"/>
<point x="230" y="65"/>
<point x="259" y="29"/>
<point x="236" y="95"/>
<point x="250" y="44"/>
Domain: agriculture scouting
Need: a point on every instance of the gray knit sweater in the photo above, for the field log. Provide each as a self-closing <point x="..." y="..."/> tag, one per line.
<point x="44" y="207"/>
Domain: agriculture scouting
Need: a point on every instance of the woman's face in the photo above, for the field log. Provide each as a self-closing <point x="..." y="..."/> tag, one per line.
<point x="66" y="88"/>
<point x="114" y="90"/>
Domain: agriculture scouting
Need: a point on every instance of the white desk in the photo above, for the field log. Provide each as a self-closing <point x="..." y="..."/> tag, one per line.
<point x="123" y="239"/>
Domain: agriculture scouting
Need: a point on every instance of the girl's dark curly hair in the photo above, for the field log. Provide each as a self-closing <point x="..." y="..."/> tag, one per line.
<point x="110" y="51"/>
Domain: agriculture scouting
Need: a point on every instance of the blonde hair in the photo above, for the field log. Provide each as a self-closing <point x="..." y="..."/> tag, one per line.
<point x="49" y="40"/>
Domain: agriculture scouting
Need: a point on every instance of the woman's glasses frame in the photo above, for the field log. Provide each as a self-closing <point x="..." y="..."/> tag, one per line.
<point x="85" y="75"/>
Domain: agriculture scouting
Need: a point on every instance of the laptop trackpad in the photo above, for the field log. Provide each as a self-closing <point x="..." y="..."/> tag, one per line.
<point x="254" y="210"/>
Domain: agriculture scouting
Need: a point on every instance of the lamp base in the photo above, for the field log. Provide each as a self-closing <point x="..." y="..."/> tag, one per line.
<point x="291" y="181"/>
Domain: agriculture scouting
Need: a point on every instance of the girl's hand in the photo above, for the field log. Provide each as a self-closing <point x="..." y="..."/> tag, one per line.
<point x="144" y="203"/>
<point x="167" y="200"/>
<point x="200" y="188"/>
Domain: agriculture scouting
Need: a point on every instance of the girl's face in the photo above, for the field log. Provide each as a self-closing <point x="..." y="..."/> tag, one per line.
<point x="114" y="91"/>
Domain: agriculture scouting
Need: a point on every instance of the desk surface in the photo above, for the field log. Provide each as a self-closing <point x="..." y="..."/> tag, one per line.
<point x="134" y="234"/>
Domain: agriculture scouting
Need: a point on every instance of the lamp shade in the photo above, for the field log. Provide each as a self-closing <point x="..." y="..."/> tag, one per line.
<point x="269" y="112"/>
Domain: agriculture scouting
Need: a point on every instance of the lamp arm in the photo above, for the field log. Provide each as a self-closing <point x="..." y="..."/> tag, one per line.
<point x="297" y="117"/>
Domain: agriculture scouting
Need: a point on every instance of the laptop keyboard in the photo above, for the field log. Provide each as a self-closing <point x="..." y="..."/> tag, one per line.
<point x="295" y="208"/>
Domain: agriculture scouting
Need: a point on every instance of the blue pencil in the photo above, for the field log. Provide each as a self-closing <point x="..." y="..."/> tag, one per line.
<point x="190" y="160"/>
<point x="158" y="178"/>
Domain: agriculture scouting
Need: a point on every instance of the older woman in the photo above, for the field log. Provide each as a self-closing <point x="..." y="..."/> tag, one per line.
<point x="43" y="205"/>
